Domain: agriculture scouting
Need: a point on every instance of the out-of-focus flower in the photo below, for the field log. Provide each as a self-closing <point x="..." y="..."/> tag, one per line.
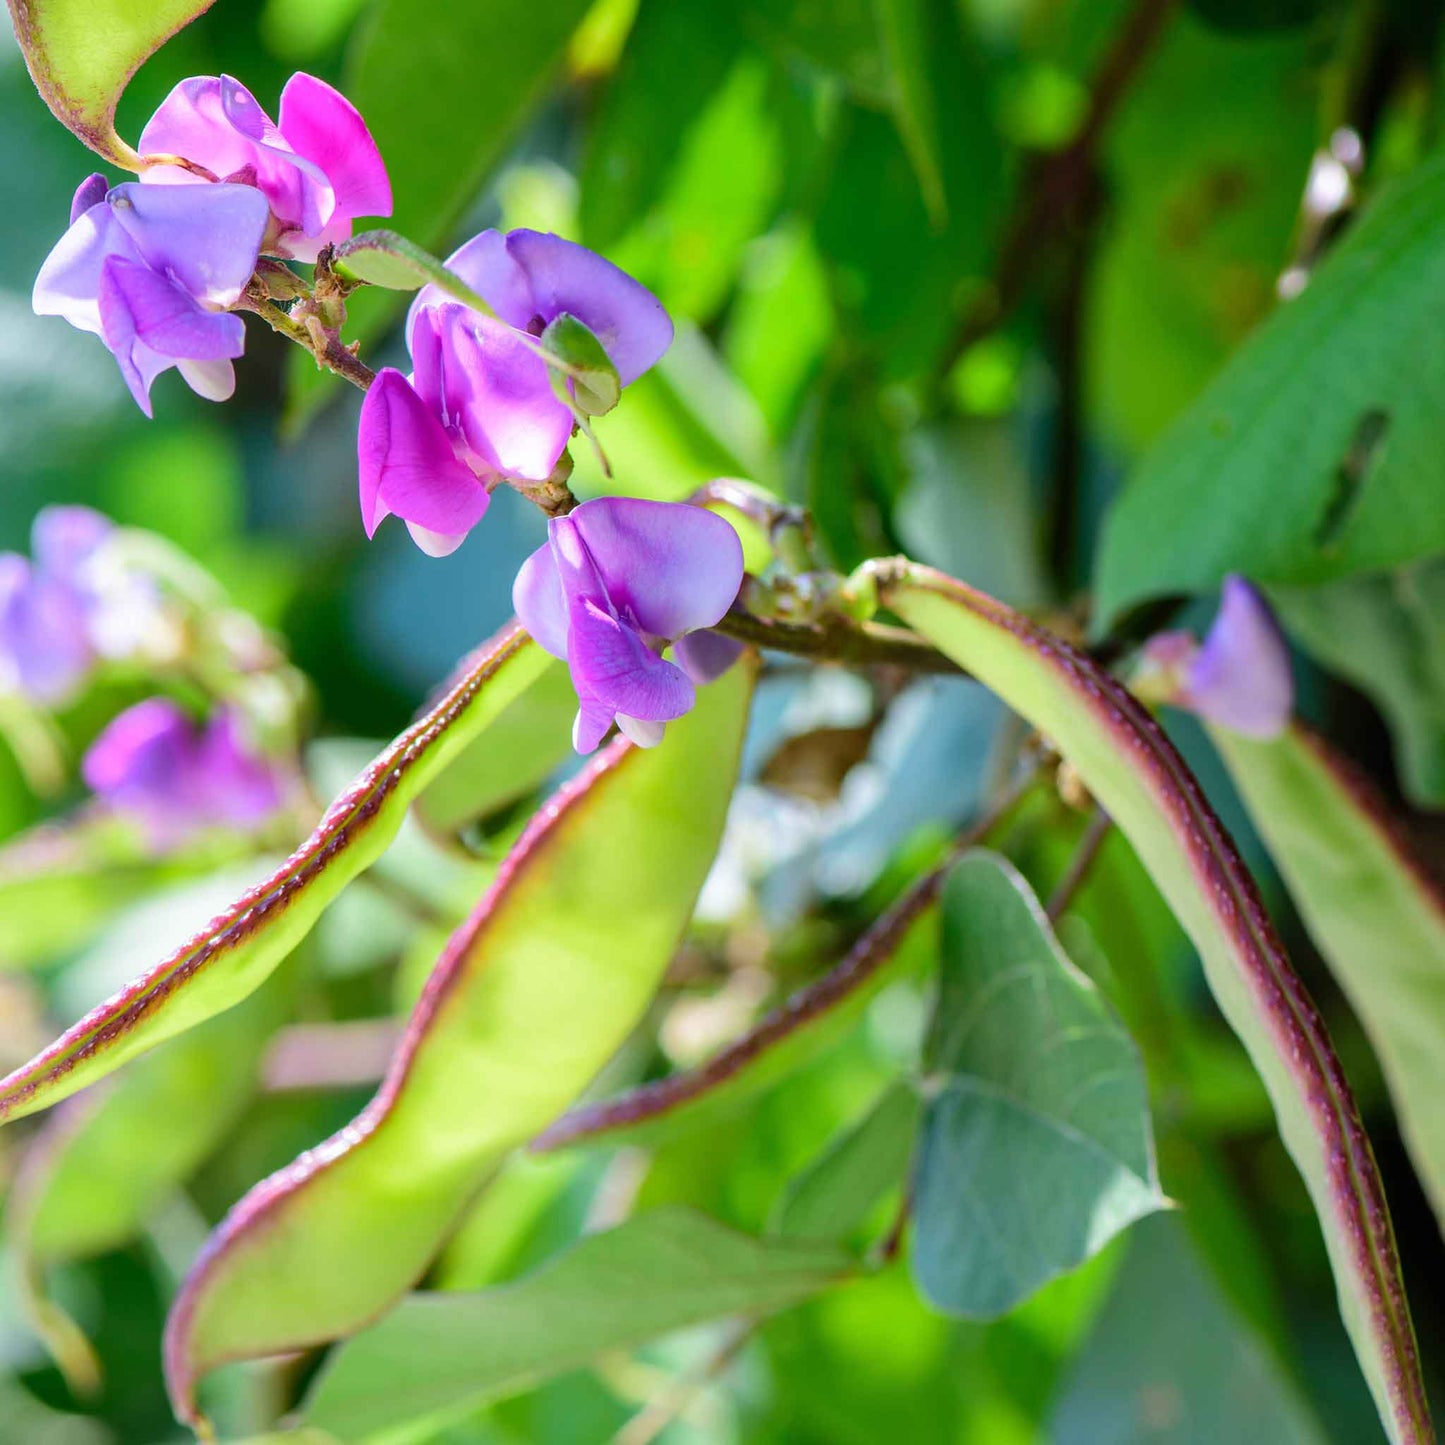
<point x="153" y="271"/>
<point x="174" y="777"/>
<point x="69" y="605"/>
<point x="480" y="405"/>
<point x="1239" y="678"/>
<point x="319" y="169"/>
<point x="618" y="581"/>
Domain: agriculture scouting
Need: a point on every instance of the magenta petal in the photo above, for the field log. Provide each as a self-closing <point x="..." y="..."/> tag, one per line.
<point x="237" y="786"/>
<point x="407" y="464"/>
<point x="143" y="749"/>
<point x="204" y="237"/>
<point x="539" y="603"/>
<point x="675" y="568"/>
<point x="509" y="413"/>
<point x="321" y="125"/>
<point x="705" y="656"/>
<point x="44" y="650"/>
<point x="163" y="317"/>
<point x="1241" y="678"/>
<point x="490" y="269"/>
<point x="591" y="724"/>
<point x="610" y="662"/>
<point x="191" y="122"/>
<point x="90" y="192"/>
<point x="629" y="321"/>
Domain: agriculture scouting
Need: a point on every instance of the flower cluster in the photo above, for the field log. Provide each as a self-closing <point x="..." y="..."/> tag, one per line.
<point x="175" y="777"/>
<point x="479" y="406"/>
<point x="70" y="605"/>
<point x="154" y="267"/>
<point x="530" y="334"/>
<point x="1239" y="678"/>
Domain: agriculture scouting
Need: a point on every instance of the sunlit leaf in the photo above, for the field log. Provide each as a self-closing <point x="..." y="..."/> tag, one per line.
<point x="1372" y="909"/>
<point x="1315" y="455"/>
<point x="655" y="1273"/>
<point x="531" y="997"/>
<point x="81" y="53"/>
<point x="1036" y="1147"/>
<point x="1125" y="760"/>
<point x="240" y="948"/>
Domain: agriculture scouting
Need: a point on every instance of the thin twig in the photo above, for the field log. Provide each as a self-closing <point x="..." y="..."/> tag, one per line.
<point x="1063" y="182"/>
<point x="663" y="1096"/>
<point x="1079" y="864"/>
<point x="858" y="644"/>
<point x="654" y="1417"/>
<point x="330" y="354"/>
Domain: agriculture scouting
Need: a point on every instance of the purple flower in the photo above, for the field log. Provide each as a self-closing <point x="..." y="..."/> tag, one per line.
<point x="318" y="170"/>
<point x="479" y="405"/>
<point x="1240" y="678"/>
<point x="48" y="606"/>
<point x="154" y="764"/>
<point x="152" y="271"/>
<point x="616" y="582"/>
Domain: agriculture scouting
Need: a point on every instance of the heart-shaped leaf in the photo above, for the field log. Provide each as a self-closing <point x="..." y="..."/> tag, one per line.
<point x="531" y="997"/>
<point x="81" y="54"/>
<point x="1036" y="1148"/>
<point x="1124" y="759"/>
<point x="238" y="950"/>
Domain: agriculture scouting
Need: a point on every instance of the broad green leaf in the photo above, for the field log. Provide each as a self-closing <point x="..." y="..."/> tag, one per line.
<point x="837" y="1193"/>
<point x="445" y="89"/>
<point x="1124" y="759"/>
<point x="1386" y="634"/>
<point x="656" y="1273"/>
<point x="81" y="54"/>
<point x="531" y="997"/>
<point x="1170" y="1361"/>
<point x="1315" y="455"/>
<point x="1036" y="1148"/>
<point x="62" y="881"/>
<point x="1373" y="912"/>
<point x="676" y="57"/>
<point x="513" y="757"/>
<point x="237" y="952"/>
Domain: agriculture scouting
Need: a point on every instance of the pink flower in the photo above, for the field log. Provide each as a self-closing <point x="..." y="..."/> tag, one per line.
<point x="319" y="169"/>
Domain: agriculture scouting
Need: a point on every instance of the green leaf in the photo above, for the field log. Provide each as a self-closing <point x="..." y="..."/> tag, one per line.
<point x="81" y="54"/>
<point x="676" y="57"/>
<point x="1126" y="762"/>
<point x="1386" y="635"/>
<point x="836" y="1194"/>
<point x="904" y="32"/>
<point x="445" y="89"/>
<point x="1169" y="1350"/>
<point x="585" y="376"/>
<point x="436" y="1354"/>
<point x="240" y="948"/>
<point x="531" y="997"/>
<point x="1373" y="911"/>
<point x="515" y="755"/>
<point x="1036" y="1148"/>
<point x="383" y="258"/>
<point x="1250" y="17"/>
<point x="1315" y="455"/>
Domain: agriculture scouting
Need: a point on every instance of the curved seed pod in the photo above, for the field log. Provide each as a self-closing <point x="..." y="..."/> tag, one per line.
<point x="81" y="55"/>
<point x="531" y="997"/>
<point x="233" y="954"/>
<point x="1126" y="761"/>
<point x="1374" y="914"/>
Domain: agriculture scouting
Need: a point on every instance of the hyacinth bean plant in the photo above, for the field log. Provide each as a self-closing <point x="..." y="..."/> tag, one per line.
<point x="565" y="1147"/>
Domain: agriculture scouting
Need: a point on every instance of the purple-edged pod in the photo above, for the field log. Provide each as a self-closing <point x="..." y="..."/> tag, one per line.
<point x="532" y="995"/>
<point x="238" y="950"/>
<point x="1374" y="912"/>
<point x="1124" y="759"/>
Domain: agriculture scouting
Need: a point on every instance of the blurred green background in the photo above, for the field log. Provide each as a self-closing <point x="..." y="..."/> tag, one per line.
<point x="823" y="200"/>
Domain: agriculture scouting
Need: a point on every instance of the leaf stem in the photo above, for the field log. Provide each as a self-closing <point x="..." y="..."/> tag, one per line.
<point x="1079" y="865"/>
<point x="836" y="639"/>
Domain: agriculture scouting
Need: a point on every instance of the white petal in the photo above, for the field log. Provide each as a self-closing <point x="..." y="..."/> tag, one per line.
<point x="214" y="380"/>
<point x="645" y="734"/>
